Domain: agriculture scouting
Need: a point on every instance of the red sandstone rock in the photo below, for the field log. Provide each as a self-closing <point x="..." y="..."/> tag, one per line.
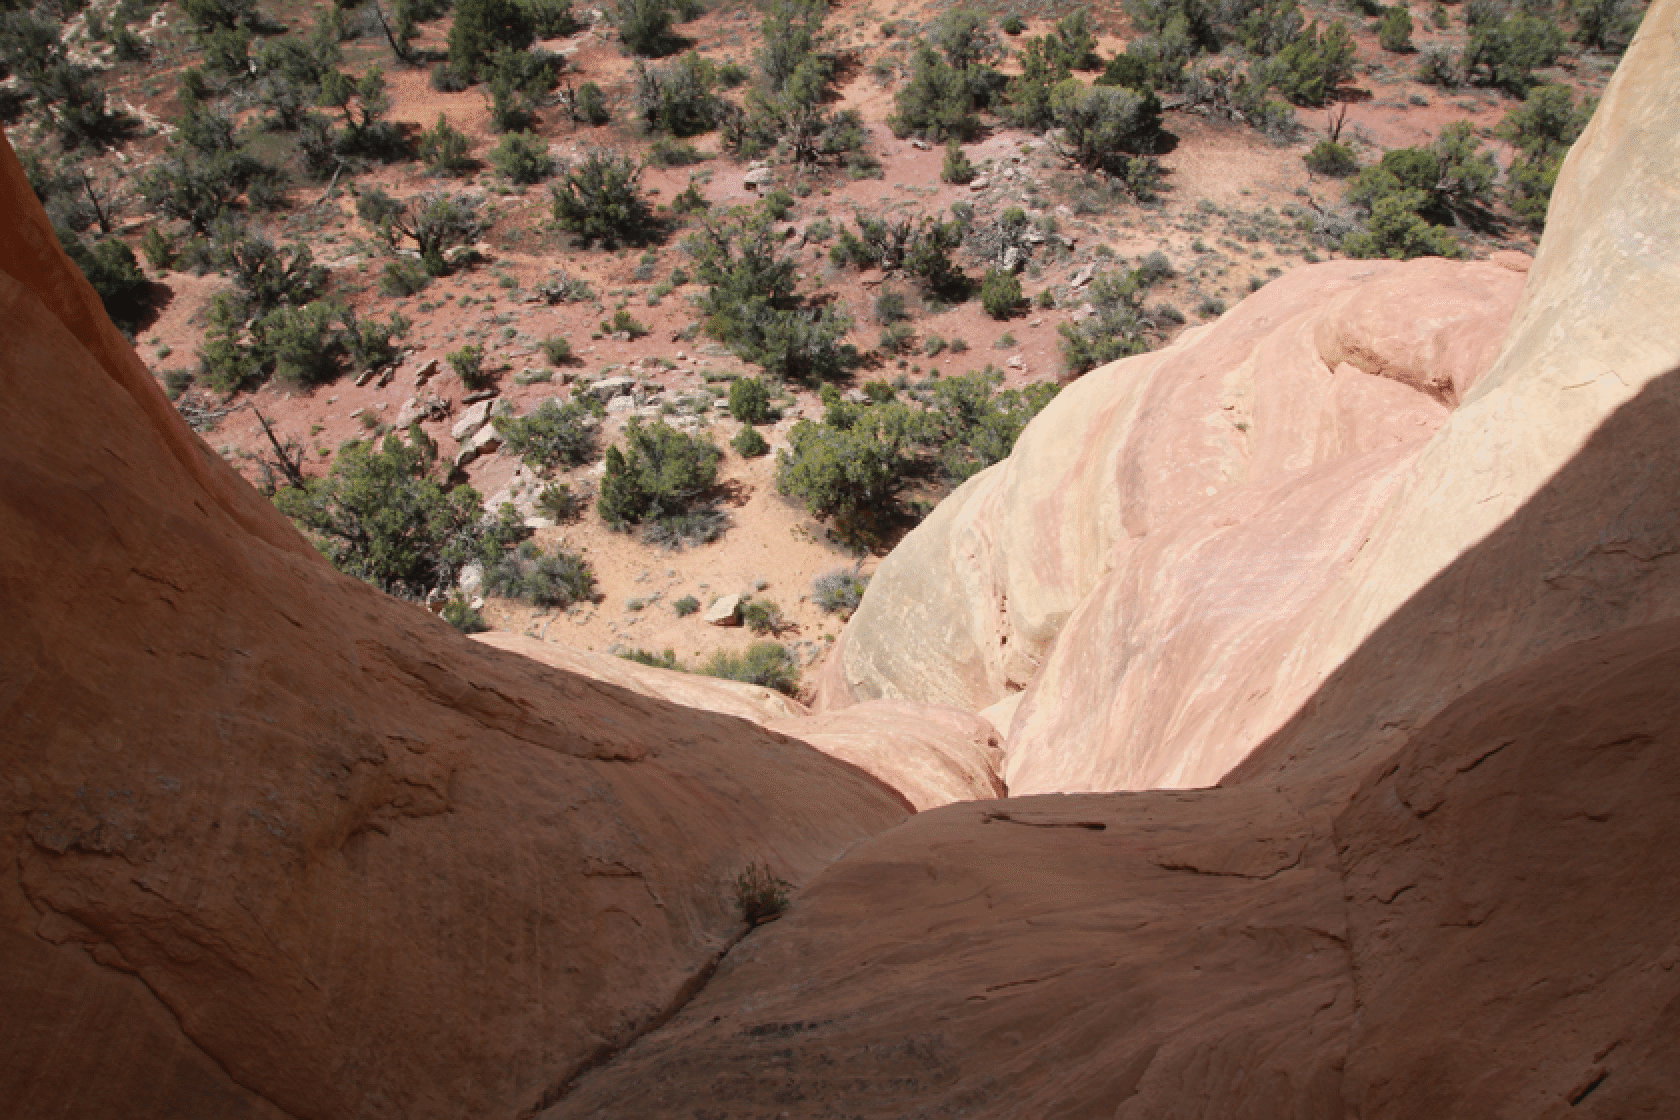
<point x="281" y="845"/>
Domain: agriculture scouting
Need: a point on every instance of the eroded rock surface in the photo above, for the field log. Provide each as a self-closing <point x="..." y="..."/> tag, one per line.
<point x="279" y="845"/>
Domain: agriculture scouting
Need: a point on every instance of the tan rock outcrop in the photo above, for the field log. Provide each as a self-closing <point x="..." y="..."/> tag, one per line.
<point x="929" y="754"/>
<point x="1327" y="381"/>
<point x="279" y="845"/>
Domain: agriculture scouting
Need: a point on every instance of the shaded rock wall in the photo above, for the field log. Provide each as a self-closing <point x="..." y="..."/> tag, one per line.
<point x="278" y="845"/>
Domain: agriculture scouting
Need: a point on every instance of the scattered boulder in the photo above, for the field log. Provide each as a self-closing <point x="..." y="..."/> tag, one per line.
<point x="426" y="372"/>
<point x="607" y="388"/>
<point x="486" y="441"/>
<point x="471" y="421"/>
<point x="725" y="612"/>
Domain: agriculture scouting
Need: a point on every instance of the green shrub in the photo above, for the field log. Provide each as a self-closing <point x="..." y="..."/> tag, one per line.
<point x="644" y="25"/>
<point x="1013" y="25"/>
<point x="768" y="664"/>
<point x="435" y="223"/>
<point x="519" y="81"/>
<point x="1398" y="230"/>
<point x="855" y="459"/>
<point x="839" y="590"/>
<point x="557" y="349"/>
<point x="1441" y="66"/>
<point x="1394" y="34"/>
<point x="758" y="895"/>
<point x="1117" y="327"/>
<point x="460" y="614"/>
<point x="599" y="201"/>
<point x="552" y="19"/>
<point x="680" y="98"/>
<point x="526" y="573"/>
<point x="468" y="364"/>
<point x="762" y="616"/>
<point x="589" y="106"/>
<point x="665" y="660"/>
<point x="686" y="606"/>
<point x="522" y="157"/>
<point x="1000" y="293"/>
<point x="402" y="278"/>
<point x="1331" y="158"/>
<point x="559" y="504"/>
<point x="1101" y="124"/>
<point x="957" y="168"/>
<point x="1505" y="52"/>
<point x="1541" y="130"/>
<point x="553" y="434"/>
<point x="1308" y="70"/>
<point x="660" y="473"/>
<point x="624" y="323"/>
<point x="889" y="306"/>
<point x="752" y="305"/>
<point x="381" y="517"/>
<point x="749" y="400"/>
<point x="115" y="275"/>
<point x="445" y="149"/>
<point x="940" y="101"/>
<point x="160" y="249"/>
<point x="976" y="425"/>
<point x="482" y="28"/>
<point x="445" y="79"/>
<point x="665" y="152"/>
<point x="1607" y="25"/>
<point x="749" y="444"/>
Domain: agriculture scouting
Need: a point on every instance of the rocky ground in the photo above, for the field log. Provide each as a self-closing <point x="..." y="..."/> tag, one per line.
<point x="1236" y="212"/>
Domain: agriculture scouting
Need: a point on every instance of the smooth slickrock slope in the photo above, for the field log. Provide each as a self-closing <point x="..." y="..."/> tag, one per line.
<point x="1300" y="406"/>
<point x="277" y="845"/>
<point x="1444" y="885"/>
<point x="929" y="754"/>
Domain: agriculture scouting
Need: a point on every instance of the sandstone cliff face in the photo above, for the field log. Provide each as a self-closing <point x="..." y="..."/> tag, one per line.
<point x="1440" y="885"/>
<point x="1162" y="483"/>
<point x="1186" y="544"/>
<point x="280" y="845"/>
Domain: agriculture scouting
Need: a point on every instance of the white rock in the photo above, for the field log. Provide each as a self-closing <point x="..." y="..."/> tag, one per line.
<point x="609" y="387"/>
<point x="725" y="612"/>
<point x="471" y="421"/>
<point x="979" y="183"/>
<point x="472" y="578"/>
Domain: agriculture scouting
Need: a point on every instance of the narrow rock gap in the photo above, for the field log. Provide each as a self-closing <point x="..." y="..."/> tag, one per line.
<point x="606" y="1052"/>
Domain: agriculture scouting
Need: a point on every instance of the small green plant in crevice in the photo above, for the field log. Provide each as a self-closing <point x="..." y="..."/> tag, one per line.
<point x="759" y="895"/>
<point x="686" y="606"/>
